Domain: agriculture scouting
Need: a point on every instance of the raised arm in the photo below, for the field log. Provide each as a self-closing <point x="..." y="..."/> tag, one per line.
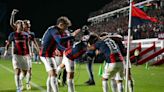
<point x="12" y="19"/>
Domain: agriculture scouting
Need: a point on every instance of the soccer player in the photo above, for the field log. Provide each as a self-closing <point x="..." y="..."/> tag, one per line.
<point x="72" y="53"/>
<point x="118" y="39"/>
<point x="51" y="41"/>
<point x="113" y="58"/>
<point x="58" y="58"/>
<point x="26" y="28"/>
<point x="21" y="51"/>
<point x="33" y="42"/>
<point x="90" y="57"/>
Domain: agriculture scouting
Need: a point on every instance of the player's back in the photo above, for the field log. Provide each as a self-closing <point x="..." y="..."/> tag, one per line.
<point x="48" y="44"/>
<point x="110" y="50"/>
<point x="76" y="50"/>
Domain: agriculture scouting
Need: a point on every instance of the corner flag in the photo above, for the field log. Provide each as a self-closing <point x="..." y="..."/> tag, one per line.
<point x="140" y="17"/>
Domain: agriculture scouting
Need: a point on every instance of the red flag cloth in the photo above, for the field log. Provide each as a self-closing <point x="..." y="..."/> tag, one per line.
<point x="136" y="12"/>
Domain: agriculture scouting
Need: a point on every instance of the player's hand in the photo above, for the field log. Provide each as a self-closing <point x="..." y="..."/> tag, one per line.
<point x="97" y="52"/>
<point x="14" y="11"/>
<point x="57" y="52"/>
<point x="76" y="32"/>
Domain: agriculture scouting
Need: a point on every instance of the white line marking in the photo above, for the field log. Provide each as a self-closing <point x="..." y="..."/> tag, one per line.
<point x="32" y="83"/>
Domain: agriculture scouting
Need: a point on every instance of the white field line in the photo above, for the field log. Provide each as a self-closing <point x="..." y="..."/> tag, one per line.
<point x="32" y="83"/>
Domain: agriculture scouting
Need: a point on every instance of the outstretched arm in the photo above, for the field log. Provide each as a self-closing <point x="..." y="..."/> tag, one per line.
<point x="6" y="47"/>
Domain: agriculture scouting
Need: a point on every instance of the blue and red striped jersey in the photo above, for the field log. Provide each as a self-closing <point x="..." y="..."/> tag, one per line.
<point x="110" y="50"/>
<point x="51" y="41"/>
<point x="20" y="42"/>
<point x="78" y="49"/>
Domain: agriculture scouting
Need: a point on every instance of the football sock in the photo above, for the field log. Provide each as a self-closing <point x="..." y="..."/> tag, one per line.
<point x="48" y="83"/>
<point x="70" y="85"/>
<point x="105" y="86"/>
<point x="113" y="85"/>
<point x="17" y="81"/>
<point x="28" y="78"/>
<point x="54" y="84"/>
<point x="120" y="87"/>
<point x="130" y="85"/>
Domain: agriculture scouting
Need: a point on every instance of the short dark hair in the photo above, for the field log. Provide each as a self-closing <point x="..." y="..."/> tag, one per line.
<point x="93" y="39"/>
<point x="64" y="20"/>
<point x="103" y="34"/>
<point x="85" y="30"/>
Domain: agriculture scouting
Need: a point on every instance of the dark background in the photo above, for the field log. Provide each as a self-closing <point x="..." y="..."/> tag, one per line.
<point x="43" y="13"/>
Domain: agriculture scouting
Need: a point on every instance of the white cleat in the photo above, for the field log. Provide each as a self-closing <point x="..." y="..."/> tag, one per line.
<point x="21" y="88"/>
<point x="18" y="90"/>
<point x="28" y="86"/>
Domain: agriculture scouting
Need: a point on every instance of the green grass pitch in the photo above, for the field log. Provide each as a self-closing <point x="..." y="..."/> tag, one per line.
<point x="145" y="80"/>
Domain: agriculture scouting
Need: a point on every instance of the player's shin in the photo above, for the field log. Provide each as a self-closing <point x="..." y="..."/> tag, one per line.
<point x="71" y="87"/>
<point x="120" y="87"/>
<point x="28" y="78"/>
<point x="54" y="84"/>
<point x="130" y="85"/>
<point x="113" y="85"/>
<point x="21" y="76"/>
<point x="48" y="83"/>
<point x="17" y="81"/>
<point x="105" y="86"/>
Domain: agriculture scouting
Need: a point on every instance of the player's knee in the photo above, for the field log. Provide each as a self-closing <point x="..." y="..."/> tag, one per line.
<point x="17" y="71"/>
<point x="70" y="75"/>
<point x="52" y="73"/>
<point x="62" y="65"/>
<point x="119" y="81"/>
<point x="104" y="79"/>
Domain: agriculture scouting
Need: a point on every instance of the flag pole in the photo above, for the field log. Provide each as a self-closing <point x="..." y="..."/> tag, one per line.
<point x="128" y="47"/>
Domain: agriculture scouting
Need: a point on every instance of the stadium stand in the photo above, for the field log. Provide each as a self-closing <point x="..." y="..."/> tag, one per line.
<point x="118" y="22"/>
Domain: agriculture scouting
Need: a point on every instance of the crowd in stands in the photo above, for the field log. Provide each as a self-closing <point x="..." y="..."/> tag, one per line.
<point x="115" y="4"/>
<point x="119" y="24"/>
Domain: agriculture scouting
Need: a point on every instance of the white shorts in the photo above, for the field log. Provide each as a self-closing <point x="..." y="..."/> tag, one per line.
<point x="49" y="63"/>
<point x="118" y="76"/>
<point x="111" y="69"/>
<point x="58" y="60"/>
<point x="69" y="64"/>
<point x="20" y="61"/>
<point x="29" y="59"/>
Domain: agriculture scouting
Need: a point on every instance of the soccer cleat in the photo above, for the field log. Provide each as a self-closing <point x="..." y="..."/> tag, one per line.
<point x="91" y="83"/>
<point x="18" y="90"/>
<point x="28" y="86"/>
<point x="87" y="81"/>
<point x="64" y="84"/>
<point x="21" y="88"/>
